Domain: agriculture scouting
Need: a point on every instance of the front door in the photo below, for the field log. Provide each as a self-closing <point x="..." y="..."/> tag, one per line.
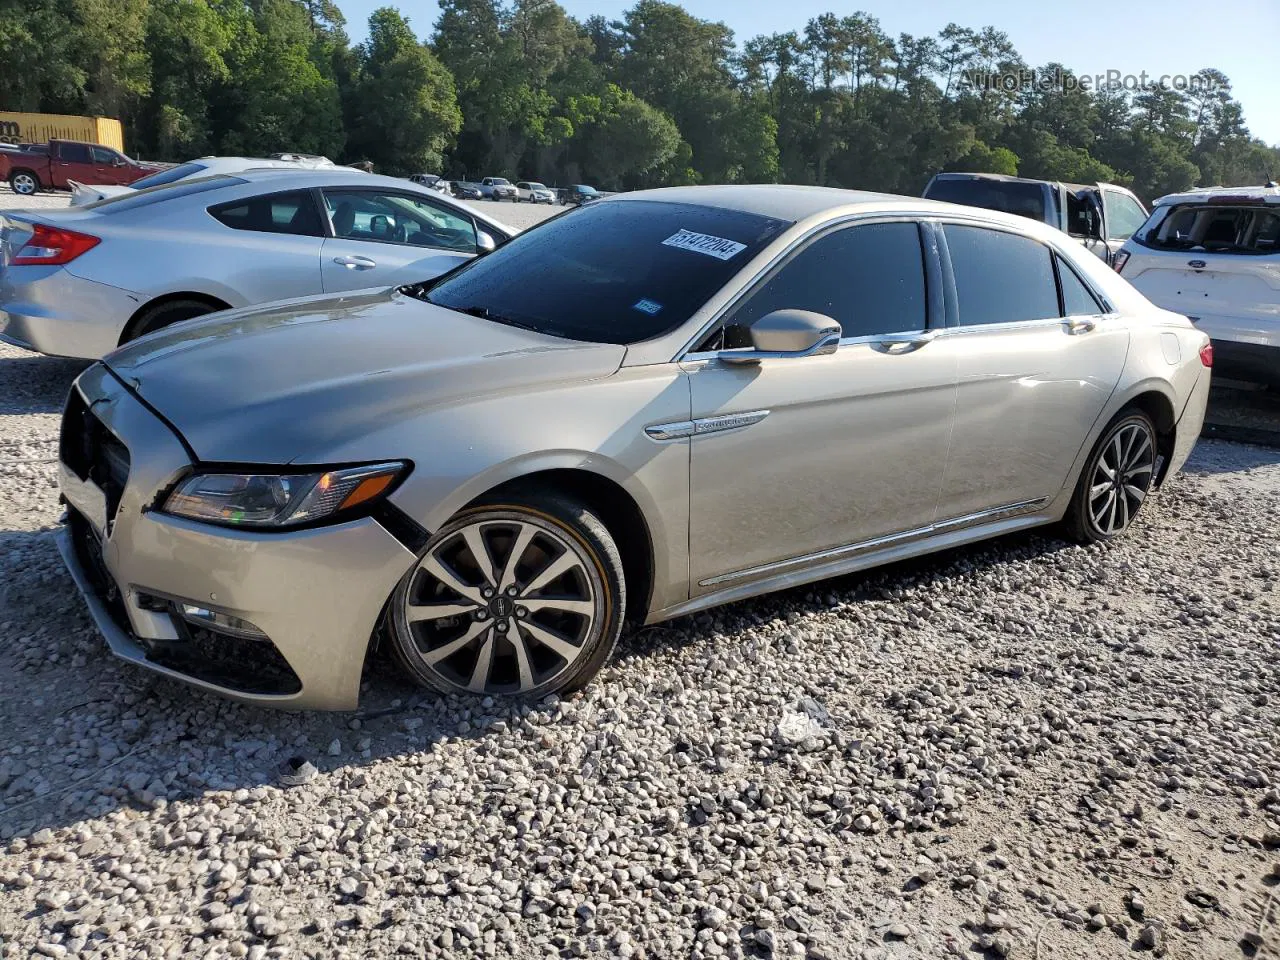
<point x="388" y="238"/>
<point x="109" y="167"/>
<point x="791" y="457"/>
<point x="1034" y="371"/>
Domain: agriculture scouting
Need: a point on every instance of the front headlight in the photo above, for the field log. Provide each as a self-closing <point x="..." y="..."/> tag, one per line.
<point x="279" y="500"/>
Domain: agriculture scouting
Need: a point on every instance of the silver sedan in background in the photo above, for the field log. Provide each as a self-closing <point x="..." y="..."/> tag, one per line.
<point x="665" y="401"/>
<point x="82" y="281"/>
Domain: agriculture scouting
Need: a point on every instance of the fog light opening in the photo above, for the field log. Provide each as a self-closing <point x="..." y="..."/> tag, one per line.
<point x="218" y="622"/>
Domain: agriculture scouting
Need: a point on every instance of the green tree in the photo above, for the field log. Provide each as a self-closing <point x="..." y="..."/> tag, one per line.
<point x="402" y="112"/>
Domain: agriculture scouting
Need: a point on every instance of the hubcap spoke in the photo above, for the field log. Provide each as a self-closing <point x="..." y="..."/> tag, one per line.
<point x="567" y="604"/>
<point x="480" y="553"/>
<point x="1137" y="493"/>
<point x="437" y="611"/>
<point x="1098" y="489"/>
<point x="441" y="572"/>
<point x="522" y="655"/>
<point x="553" y="640"/>
<point x="523" y="539"/>
<point x="553" y="571"/>
<point x="453" y="646"/>
<point x="480" y="675"/>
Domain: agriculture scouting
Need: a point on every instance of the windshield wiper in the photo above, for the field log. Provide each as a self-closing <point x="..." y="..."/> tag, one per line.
<point x="484" y="313"/>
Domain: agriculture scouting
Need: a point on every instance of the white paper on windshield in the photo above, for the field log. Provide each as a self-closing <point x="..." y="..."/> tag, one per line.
<point x="717" y="247"/>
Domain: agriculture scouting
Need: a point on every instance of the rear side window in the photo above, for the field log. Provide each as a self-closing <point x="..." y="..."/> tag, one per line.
<point x="869" y="278"/>
<point x="74" y="153"/>
<point x="1077" y="300"/>
<point x="1215" y="229"/>
<point x="1001" y="277"/>
<point x="1021" y="199"/>
<point x="293" y="212"/>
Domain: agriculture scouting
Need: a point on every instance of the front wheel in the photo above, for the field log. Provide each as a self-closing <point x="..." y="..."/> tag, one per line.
<point x="1115" y="481"/>
<point x="522" y="596"/>
<point x="24" y="183"/>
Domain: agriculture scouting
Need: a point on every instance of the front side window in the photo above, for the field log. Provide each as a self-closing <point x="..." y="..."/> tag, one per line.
<point x="620" y="271"/>
<point x="869" y="278"/>
<point x="1124" y="215"/>
<point x="293" y="212"/>
<point x="1000" y="277"/>
<point x="103" y="157"/>
<point x="398" y="218"/>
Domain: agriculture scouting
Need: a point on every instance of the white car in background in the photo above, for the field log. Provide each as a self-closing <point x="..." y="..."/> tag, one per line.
<point x="1214" y="255"/>
<point x="80" y="282"/>
<point x="83" y="193"/>
<point x="530" y="191"/>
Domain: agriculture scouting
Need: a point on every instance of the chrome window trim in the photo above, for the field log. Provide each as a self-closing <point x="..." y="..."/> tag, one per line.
<point x="751" y="283"/>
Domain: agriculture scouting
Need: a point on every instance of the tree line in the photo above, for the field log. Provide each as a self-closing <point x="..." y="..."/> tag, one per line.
<point x="658" y="97"/>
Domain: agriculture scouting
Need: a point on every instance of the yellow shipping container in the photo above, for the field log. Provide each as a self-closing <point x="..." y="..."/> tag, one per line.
<point x="40" y="127"/>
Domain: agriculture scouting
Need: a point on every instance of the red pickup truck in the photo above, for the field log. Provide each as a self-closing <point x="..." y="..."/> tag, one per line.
<point x="50" y="166"/>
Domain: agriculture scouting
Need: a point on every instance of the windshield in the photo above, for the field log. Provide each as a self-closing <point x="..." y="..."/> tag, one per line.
<point x="499" y="182"/>
<point x="537" y="186"/>
<point x="168" y="176"/>
<point x="583" y="188"/>
<point x="620" y="271"/>
<point x="1006" y="196"/>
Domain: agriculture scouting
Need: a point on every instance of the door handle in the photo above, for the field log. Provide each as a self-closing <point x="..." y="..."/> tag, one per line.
<point x="905" y="342"/>
<point x="1079" y="325"/>
<point x="355" y="263"/>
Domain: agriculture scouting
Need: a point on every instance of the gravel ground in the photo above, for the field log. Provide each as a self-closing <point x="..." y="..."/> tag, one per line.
<point x="1021" y="749"/>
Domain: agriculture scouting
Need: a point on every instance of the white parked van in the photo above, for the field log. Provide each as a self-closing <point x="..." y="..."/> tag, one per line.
<point x="1214" y="255"/>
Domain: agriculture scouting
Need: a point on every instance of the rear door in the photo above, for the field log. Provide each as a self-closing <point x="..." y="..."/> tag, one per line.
<point x="276" y="253"/>
<point x="1036" y="366"/>
<point x="380" y="237"/>
<point x="72" y="161"/>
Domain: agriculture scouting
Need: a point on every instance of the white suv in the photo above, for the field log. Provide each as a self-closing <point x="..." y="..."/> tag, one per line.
<point x="1214" y="255"/>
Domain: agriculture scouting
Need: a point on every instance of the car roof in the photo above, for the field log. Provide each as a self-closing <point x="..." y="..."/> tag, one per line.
<point x="335" y="175"/>
<point x="781" y="201"/>
<point x="1268" y="195"/>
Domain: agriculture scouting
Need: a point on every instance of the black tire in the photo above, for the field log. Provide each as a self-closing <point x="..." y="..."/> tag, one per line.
<point x="562" y="517"/>
<point x="1107" y="498"/>
<point x="168" y="313"/>
<point x="24" y="183"/>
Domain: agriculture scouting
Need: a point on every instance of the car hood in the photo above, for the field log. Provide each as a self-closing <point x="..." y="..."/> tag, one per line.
<point x="295" y="381"/>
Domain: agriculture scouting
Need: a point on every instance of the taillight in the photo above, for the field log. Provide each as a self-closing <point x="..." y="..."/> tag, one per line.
<point x="1122" y="257"/>
<point x="1206" y="354"/>
<point x="52" y="246"/>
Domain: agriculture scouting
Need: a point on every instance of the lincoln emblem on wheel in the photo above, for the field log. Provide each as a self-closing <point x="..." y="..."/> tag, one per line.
<point x="491" y="472"/>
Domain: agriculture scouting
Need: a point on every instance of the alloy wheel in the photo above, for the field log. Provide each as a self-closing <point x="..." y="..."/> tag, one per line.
<point x="1122" y="475"/>
<point x="505" y="603"/>
<point x="24" y="184"/>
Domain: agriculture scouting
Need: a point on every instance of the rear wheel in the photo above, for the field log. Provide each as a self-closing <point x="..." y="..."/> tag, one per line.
<point x="168" y="313"/>
<point x="1115" y="481"/>
<point x="520" y="597"/>
<point x="24" y="183"/>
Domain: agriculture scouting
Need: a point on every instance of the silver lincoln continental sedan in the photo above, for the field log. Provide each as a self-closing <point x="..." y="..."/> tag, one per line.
<point x="651" y="405"/>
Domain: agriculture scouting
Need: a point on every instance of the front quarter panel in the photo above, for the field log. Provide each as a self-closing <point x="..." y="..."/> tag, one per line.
<point x="462" y="450"/>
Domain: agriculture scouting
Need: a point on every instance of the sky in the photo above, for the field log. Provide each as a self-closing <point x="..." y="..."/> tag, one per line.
<point x="1157" y="36"/>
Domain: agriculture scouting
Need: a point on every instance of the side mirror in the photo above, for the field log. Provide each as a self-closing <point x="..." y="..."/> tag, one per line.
<point x="785" y="334"/>
<point x="118" y="161"/>
<point x="485" y="242"/>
